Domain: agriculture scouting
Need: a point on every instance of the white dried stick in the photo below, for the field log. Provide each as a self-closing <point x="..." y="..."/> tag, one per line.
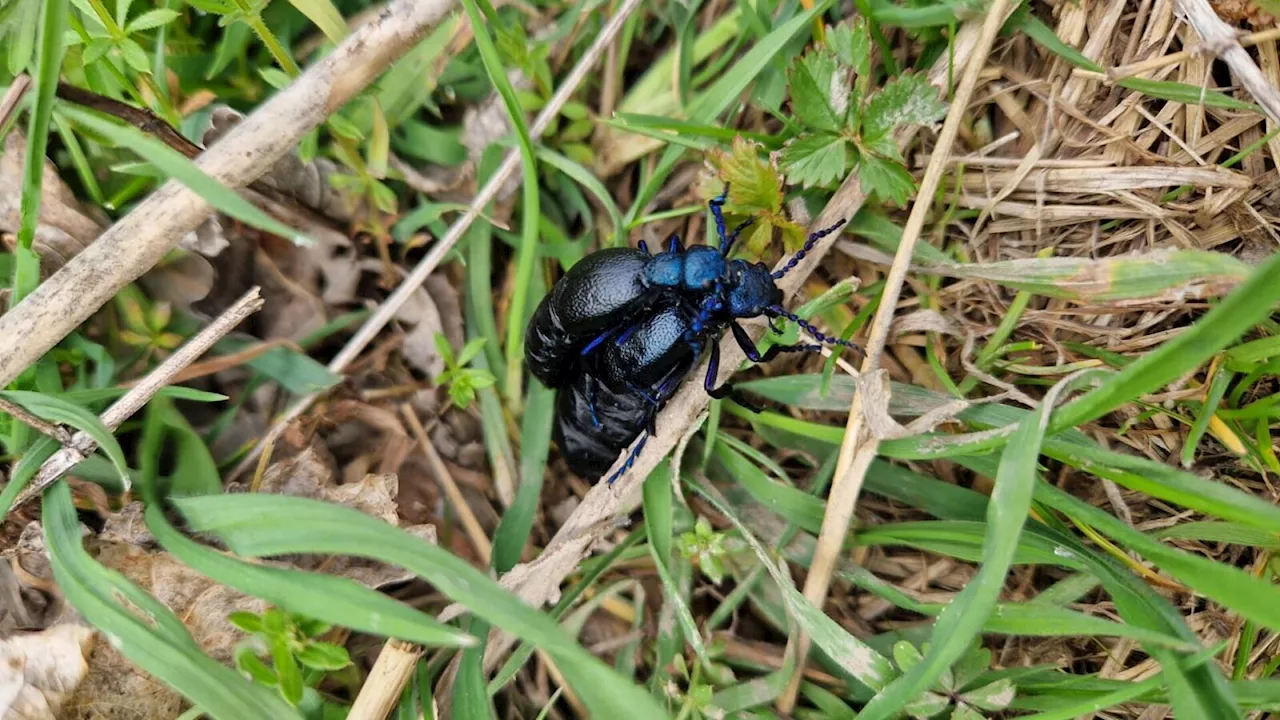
<point x="140" y="239"/>
<point x="81" y="445"/>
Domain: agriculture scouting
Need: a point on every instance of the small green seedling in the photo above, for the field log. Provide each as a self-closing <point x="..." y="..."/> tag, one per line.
<point x="462" y="381"/>
<point x="298" y="661"/>
<point x="958" y="688"/>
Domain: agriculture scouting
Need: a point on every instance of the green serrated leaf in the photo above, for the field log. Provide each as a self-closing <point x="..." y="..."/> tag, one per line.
<point x="851" y="43"/>
<point x="819" y="159"/>
<point x="152" y="19"/>
<point x="819" y="91"/>
<point x="908" y="99"/>
<point x="885" y="178"/>
<point x="134" y="56"/>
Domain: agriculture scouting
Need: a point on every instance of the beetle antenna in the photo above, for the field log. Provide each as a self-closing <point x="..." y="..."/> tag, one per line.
<point x="727" y="244"/>
<point x="779" y="311"/>
<point x="808" y="245"/>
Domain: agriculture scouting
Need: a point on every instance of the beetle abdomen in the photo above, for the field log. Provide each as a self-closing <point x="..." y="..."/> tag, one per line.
<point x="600" y="292"/>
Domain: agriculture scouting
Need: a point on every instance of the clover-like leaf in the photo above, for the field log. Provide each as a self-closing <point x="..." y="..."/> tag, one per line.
<point x="818" y="159"/>
<point x="908" y="99"/>
<point x="906" y="656"/>
<point x="926" y="706"/>
<point x="992" y="696"/>
<point x="324" y="656"/>
<point x="819" y="91"/>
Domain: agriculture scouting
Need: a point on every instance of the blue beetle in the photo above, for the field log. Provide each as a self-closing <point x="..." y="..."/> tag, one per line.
<point x="606" y="292"/>
<point x="661" y="311"/>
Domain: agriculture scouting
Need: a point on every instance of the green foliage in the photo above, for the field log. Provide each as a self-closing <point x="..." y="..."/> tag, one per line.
<point x="299" y="661"/>
<point x="844" y="125"/>
<point x="959" y="688"/>
<point x="705" y="548"/>
<point x="462" y="381"/>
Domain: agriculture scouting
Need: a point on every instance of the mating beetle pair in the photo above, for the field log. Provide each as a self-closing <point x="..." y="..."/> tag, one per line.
<point x="620" y="331"/>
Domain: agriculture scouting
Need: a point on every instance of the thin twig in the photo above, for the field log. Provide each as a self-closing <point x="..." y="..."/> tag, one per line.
<point x="81" y="445"/>
<point x="428" y="264"/>
<point x="57" y="432"/>
<point x="141" y="118"/>
<point x="136" y="242"/>
<point x="859" y="447"/>
<point x="13" y="96"/>
<point x="469" y="522"/>
<point x="1223" y="40"/>
<point x="1155" y="63"/>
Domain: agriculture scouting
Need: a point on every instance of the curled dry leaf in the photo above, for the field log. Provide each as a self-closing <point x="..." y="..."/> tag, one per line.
<point x="66" y="227"/>
<point x="39" y="671"/>
<point x="484" y="124"/>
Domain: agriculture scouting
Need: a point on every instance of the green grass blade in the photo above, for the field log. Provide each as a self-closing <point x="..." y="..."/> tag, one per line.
<point x="177" y="166"/>
<point x="854" y="656"/>
<point x="963" y="619"/>
<point x="57" y="410"/>
<point x="259" y="525"/>
<point x="335" y="600"/>
<point x="156" y="642"/>
<point x="527" y="253"/>
<point x="535" y="443"/>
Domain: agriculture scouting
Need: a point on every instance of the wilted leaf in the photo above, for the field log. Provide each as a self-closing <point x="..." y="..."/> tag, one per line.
<point x="908" y="99"/>
<point x="817" y="159"/>
<point x="754" y="184"/>
<point x="39" y="671"/>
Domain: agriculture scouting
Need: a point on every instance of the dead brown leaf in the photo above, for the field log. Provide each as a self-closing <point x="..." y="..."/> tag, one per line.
<point x="39" y="671"/>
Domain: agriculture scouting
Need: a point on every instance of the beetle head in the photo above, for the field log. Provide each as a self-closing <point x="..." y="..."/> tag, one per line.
<point x="750" y="289"/>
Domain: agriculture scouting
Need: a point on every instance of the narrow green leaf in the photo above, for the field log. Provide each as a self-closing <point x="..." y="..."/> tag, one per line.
<point x="178" y="167"/>
<point x="59" y="411"/>
<point x="273" y="525"/>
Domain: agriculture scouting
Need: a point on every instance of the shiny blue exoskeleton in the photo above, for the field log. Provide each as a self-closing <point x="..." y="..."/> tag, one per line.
<point x="607" y="291"/>
<point x="680" y="301"/>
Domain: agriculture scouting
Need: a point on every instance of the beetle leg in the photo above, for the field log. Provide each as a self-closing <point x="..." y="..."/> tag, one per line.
<point x="631" y="459"/>
<point x="725" y="390"/>
<point x="748" y="347"/>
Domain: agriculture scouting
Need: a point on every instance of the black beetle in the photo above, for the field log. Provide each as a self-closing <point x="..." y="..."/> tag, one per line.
<point x="605" y="292"/>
